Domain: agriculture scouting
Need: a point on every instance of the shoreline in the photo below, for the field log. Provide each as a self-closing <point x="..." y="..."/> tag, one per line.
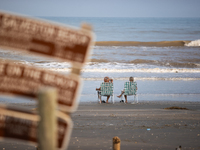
<point x="95" y="103"/>
<point x="92" y="104"/>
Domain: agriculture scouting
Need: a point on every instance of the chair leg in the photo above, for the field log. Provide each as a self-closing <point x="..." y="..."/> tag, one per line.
<point x="137" y="98"/>
<point x="134" y="98"/>
<point x="98" y="98"/>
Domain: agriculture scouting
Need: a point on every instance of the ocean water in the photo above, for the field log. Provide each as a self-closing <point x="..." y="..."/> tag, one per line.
<point x="138" y="29"/>
<point x="152" y="63"/>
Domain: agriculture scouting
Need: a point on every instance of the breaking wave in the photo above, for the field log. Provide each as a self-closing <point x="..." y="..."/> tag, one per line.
<point x="167" y="64"/>
<point x="193" y="43"/>
<point x="143" y="61"/>
<point x="99" y="60"/>
<point x="184" y="63"/>
<point x="146" y="44"/>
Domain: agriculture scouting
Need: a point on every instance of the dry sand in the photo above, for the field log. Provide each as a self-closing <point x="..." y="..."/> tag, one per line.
<point x="143" y="126"/>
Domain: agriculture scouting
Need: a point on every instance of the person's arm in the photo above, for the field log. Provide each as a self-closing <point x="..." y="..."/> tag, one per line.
<point x="98" y="89"/>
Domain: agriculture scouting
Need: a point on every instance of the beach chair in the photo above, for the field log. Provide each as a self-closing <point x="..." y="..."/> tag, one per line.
<point x="130" y="88"/>
<point x="106" y="90"/>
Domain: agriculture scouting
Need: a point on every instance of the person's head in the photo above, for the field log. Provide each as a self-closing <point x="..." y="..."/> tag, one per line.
<point x="106" y="79"/>
<point x="131" y="79"/>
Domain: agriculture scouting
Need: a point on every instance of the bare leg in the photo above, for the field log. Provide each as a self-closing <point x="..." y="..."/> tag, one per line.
<point x="98" y="92"/>
<point x="107" y="99"/>
<point x="121" y="94"/>
<point x="126" y="98"/>
<point x="100" y="99"/>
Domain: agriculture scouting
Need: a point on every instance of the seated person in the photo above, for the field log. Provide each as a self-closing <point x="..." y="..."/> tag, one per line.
<point x="131" y="79"/>
<point x="106" y="79"/>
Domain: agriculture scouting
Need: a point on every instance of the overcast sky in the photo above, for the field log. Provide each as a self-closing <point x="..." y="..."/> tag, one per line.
<point x="104" y="8"/>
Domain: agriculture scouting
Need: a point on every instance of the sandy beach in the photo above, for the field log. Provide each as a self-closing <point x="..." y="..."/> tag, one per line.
<point x="146" y="126"/>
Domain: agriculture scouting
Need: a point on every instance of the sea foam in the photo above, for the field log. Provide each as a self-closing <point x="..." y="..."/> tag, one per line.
<point x="142" y="70"/>
<point x="193" y="43"/>
<point x="146" y="78"/>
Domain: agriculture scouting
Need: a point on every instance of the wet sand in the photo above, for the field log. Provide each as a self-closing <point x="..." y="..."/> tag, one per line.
<point x="146" y="125"/>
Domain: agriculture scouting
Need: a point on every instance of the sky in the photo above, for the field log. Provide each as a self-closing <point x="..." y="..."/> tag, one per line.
<point x="103" y="8"/>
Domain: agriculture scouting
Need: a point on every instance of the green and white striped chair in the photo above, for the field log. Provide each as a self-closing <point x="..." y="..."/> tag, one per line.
<point x="130" y="88"/>
<point x="106" y="90"/>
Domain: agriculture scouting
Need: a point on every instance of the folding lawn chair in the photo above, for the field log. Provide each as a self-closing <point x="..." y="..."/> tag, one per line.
<point x="106" y="90"/>
<point x="130" y="88"/>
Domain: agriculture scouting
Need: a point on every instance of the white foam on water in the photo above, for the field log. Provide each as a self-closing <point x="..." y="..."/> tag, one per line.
<point x="194" y="43"/>
<point x="145" y="70"/>
<point x="146" y="78"/>
<point x="120" y="68"/>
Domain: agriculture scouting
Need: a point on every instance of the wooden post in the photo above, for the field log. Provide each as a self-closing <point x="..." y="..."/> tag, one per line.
<point x="116" y="143"/>
<point x="76" y="70"/>
<point x="47" y="102"/>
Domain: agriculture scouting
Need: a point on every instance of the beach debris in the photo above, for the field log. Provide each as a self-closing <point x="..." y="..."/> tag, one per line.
<point x="112" y="115"/>
<point x="168" y="125"/>
<point x="176" y="107"/>
<point x="148" y="129"/>
<point x="34" y="109"/>
<point x="179" y="148"/>
<point x="116" y="143"/>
